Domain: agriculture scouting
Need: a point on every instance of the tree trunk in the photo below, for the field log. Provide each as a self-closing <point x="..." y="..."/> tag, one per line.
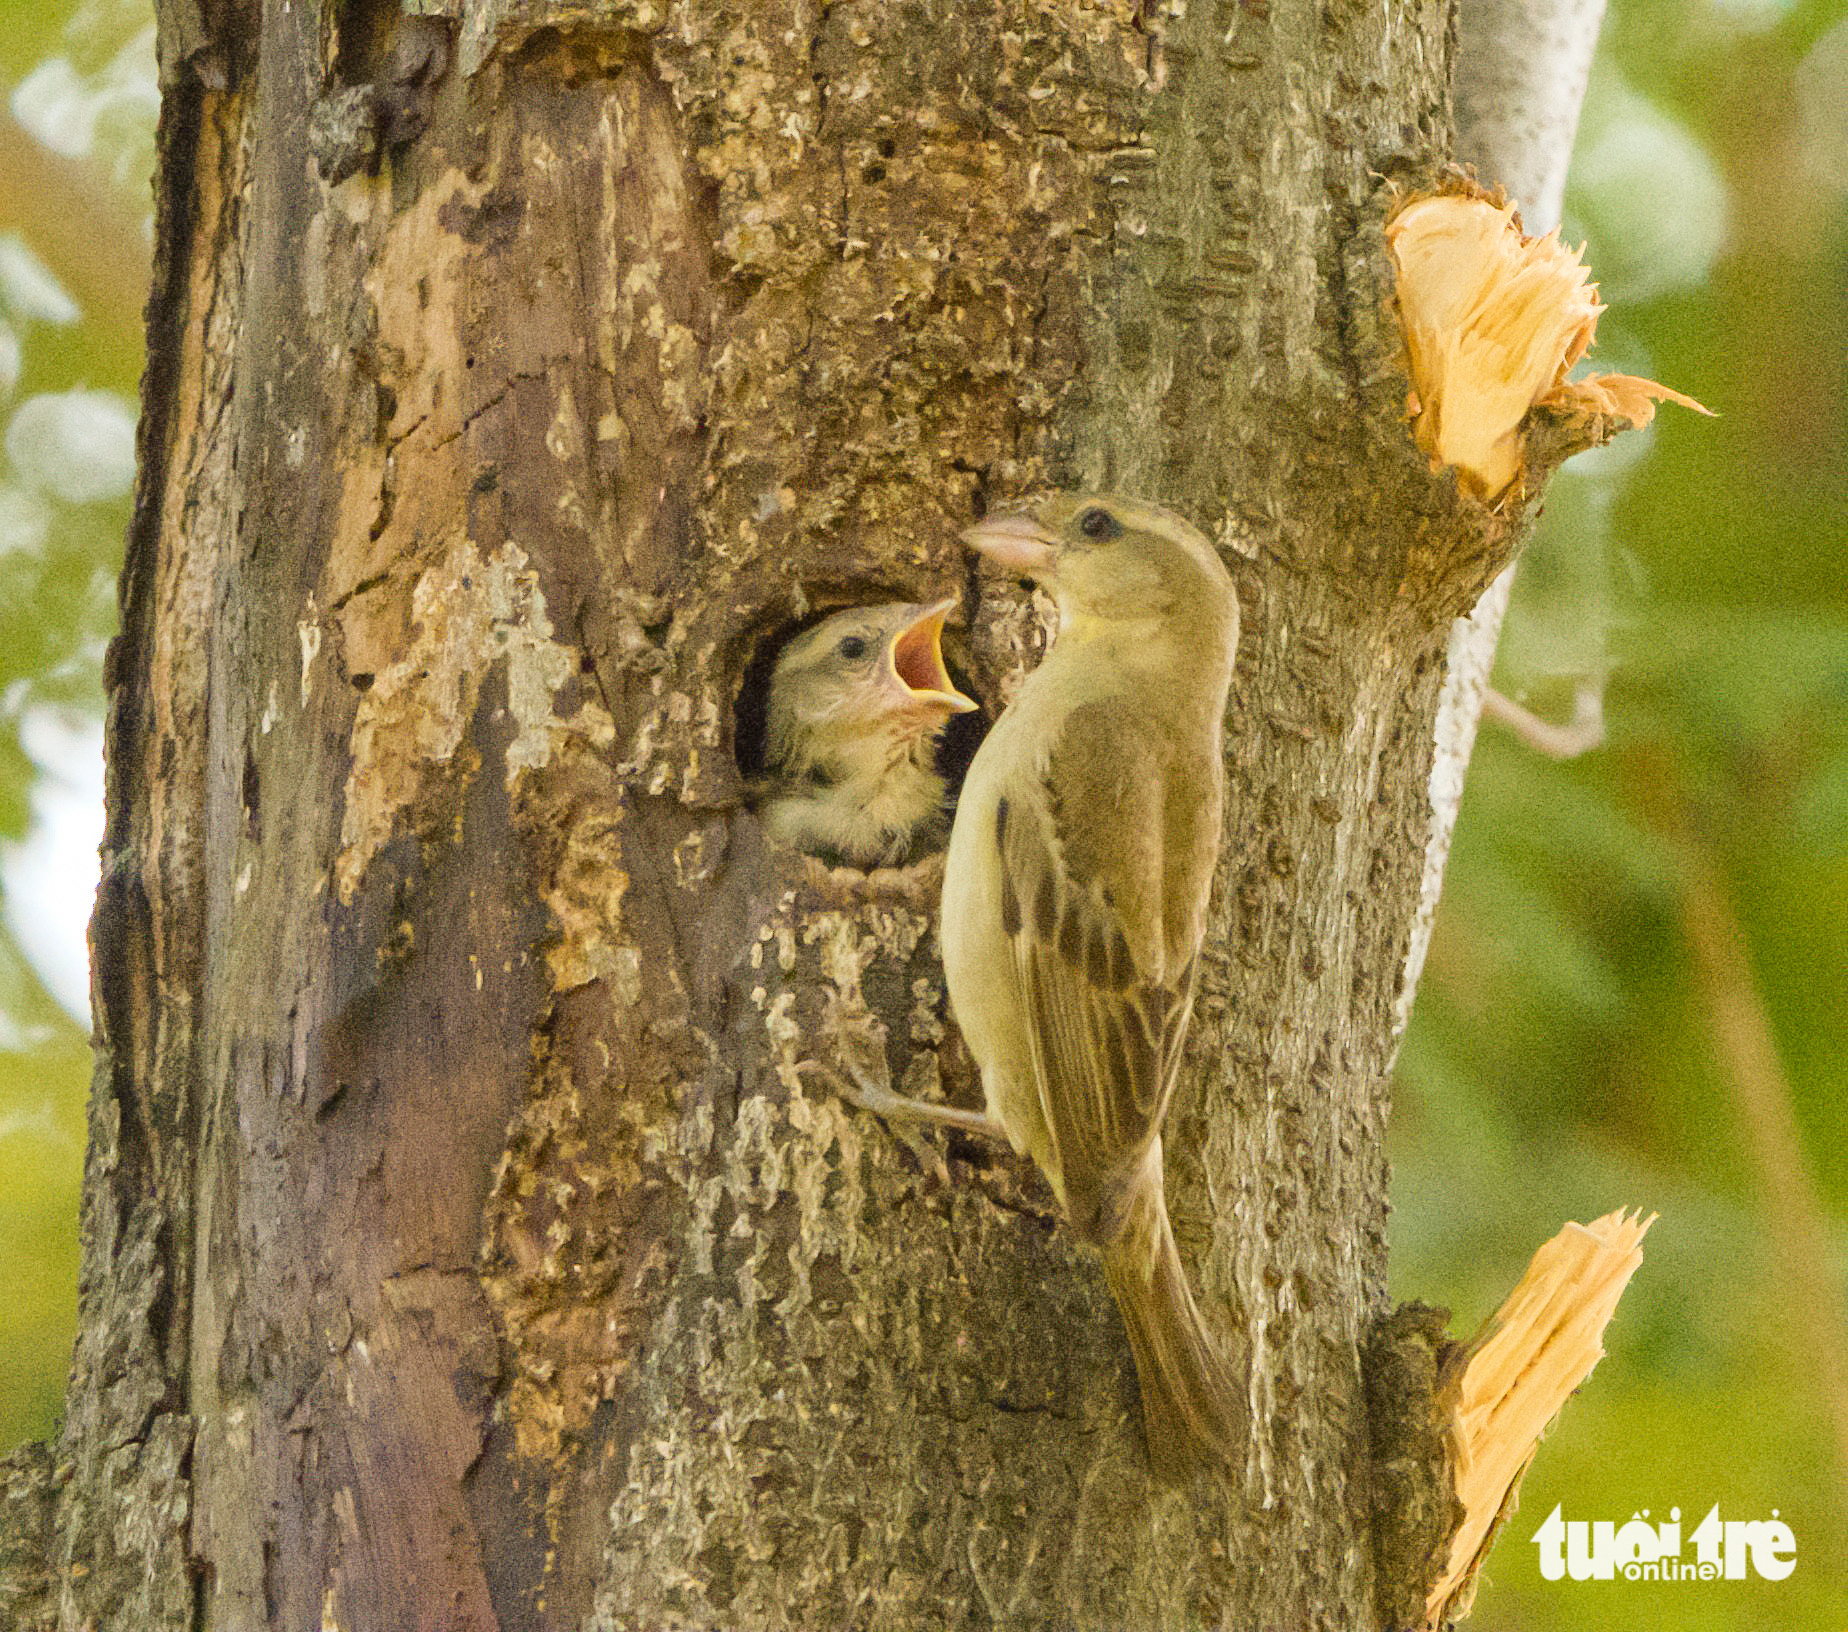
<point x="463" y="1247"/>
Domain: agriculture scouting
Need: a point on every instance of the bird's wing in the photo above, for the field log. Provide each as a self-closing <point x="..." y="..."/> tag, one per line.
<point x="1094" y="854"/>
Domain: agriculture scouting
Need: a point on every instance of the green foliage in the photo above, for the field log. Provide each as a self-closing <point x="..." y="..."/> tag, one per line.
<point x="62" y="515"/>
<point x="44" y="1074"/>
<point x="1562" y="1060"/>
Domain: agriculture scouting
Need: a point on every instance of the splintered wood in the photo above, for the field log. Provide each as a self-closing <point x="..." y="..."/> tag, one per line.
<point x="1532" y="1353"/>
<point x="1493" y="321"/>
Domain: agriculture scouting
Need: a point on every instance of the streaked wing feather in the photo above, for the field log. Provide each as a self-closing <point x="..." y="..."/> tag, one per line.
<point x="1105" y="1037"/>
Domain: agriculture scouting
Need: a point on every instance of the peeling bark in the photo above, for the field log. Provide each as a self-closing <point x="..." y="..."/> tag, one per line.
<point x="464" y="1246"/>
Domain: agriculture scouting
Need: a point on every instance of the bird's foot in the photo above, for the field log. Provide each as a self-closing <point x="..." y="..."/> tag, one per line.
<point x="859" y="1087"/>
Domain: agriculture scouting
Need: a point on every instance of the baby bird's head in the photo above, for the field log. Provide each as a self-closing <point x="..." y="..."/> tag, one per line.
<point x="1113" y="559"/>
<point x="869" y="674"/>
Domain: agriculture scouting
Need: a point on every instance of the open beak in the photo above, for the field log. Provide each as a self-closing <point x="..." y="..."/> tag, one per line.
<point x="915" y="660"/>
<point x="1017" y="543"/>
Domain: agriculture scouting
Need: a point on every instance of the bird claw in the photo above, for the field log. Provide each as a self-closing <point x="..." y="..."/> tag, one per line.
<point x="859" y="1087"/>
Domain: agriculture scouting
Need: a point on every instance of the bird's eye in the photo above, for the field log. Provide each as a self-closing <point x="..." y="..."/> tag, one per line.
<point x="852" y="647"/>
<point x="1098" y="524"/>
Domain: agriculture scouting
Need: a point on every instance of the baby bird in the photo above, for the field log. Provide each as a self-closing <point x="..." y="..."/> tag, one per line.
<point x="855" y="710"/>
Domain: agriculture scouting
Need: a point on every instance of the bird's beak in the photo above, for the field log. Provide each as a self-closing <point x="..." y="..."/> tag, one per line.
<point x="915" y="662"/>
<point x="1017" y="543"/>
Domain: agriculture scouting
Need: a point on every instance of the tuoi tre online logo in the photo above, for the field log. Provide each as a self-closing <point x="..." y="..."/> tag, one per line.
<point x="1730" y="1550"/>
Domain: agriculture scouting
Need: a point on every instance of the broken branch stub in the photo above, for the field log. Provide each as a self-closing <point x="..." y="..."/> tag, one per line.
<point x="1531" y="1354"/>
<point x="1493" y="321"/>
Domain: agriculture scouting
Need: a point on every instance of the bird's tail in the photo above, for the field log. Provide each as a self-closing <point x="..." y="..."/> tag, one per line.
<point x="1190" y="1399"/>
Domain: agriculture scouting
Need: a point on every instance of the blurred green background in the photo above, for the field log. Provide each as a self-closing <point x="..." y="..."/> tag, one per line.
<point x="76" y="150"/>
<point x="1637" y="993"/>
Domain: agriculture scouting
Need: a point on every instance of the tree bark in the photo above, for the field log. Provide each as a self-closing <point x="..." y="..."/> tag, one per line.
<point x="464" y="1247"/>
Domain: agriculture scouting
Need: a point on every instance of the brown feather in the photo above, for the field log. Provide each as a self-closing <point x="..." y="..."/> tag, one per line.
<point x="1095" y="805"/>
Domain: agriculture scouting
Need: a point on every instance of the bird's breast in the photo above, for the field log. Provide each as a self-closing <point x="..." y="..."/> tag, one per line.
<point x="978" y="952"/>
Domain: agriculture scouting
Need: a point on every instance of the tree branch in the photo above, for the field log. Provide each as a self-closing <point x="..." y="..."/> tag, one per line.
<point x="1579" y="735"/>
<point x="1520" y="81"/>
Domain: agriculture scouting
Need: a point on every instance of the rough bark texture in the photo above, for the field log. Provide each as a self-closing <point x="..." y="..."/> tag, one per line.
<point x="463" y="1247"/>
